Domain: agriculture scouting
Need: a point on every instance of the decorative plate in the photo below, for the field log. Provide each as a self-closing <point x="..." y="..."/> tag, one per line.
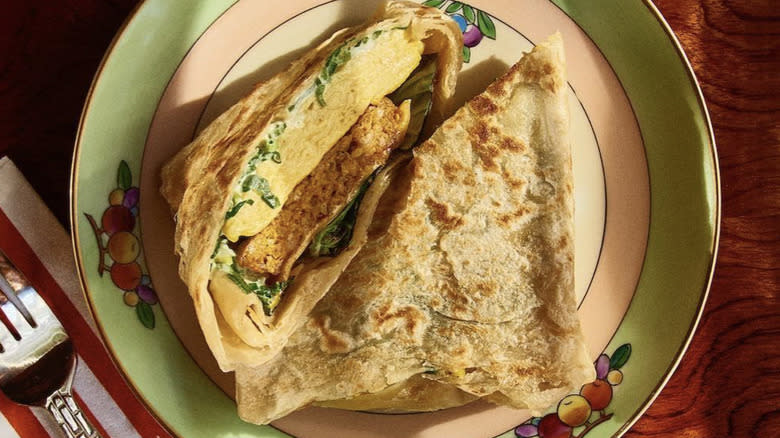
<point x="647" y="200"/>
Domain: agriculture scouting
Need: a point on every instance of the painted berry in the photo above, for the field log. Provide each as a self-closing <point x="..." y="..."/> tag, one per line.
<point x="615" y="377"/>
<point x="130" y="298"/>
<point x="147" y="294"/>
<point x="130" y="199"/>
<point x="602" y="366"/>
<point x="116" y="196"/>
<point x="526" y="430"/>
<point x="461" y="20"/>
<point x="472" y="36"/>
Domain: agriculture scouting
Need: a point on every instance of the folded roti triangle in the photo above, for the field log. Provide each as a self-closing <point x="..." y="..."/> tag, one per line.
<point x="467" y="276"/>
<point x="201" y="180"/>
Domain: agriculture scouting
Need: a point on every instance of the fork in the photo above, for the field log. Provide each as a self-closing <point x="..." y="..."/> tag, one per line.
<point x="37" y="360"/>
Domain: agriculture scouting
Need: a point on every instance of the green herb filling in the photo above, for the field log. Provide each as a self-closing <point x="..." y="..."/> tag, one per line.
<point x="332" y="239"/>
<point x="419" y="88"/>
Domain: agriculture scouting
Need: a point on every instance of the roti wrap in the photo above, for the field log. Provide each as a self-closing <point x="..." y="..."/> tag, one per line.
<point x="466" y="278"/>
<point x="302" y="111"/>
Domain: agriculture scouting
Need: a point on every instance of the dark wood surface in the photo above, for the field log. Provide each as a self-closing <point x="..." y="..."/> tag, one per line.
<point x="729" y="381"/>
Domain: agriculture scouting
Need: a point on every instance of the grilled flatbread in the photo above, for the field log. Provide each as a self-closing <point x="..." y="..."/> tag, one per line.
<point x="466" y="278"/>
<point x="245" y="264"/>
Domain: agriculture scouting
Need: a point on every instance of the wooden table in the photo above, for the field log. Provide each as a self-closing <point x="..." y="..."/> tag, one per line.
<point x="729" y="381"/>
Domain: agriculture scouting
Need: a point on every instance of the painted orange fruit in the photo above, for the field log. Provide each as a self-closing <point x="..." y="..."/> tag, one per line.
<point x="598" y="393"/>
<point x="130" y="298"/>
<point x="123" y="247"/>
<point x="574" y="410"/>
<point x="116" y="197"/>
<point x="126" y="276"/>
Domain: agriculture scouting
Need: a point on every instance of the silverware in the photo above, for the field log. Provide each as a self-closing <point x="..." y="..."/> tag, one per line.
<point x="37" y="360"/>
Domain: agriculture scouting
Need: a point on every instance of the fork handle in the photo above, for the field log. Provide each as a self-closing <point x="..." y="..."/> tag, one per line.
<point x="66" y="412"/>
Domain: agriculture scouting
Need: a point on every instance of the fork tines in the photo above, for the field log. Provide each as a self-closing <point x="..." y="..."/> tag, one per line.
<point x="18" y="311"/>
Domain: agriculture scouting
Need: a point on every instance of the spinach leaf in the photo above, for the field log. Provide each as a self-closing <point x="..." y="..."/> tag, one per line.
<point x="269" y="295"/>
<point x="332" y="239"/>
<point x="270" y="199"/>
<point x="234" y="211"/>
<point x="268" y="148"/>
<point x="260" y="185"/>
<point x="419" y="88"/>
<point x="336" y="59"/>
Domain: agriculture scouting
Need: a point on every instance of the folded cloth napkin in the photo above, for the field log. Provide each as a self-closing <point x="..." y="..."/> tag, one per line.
<point x="35" y="242"/>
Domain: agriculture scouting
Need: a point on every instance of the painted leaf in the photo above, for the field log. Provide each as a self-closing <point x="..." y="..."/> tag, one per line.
<point x="145" y="314"/>
<point x="454" y="7"/>
<point x="486" y="26"/>
<point x="620" y="356"/>
<point x="433" y="3"/>
<point x="469" y="13"/>
<point x="123" y="177"/>
<point x="526" y="430"/>
<point x="602" y="367"/>
<point x="466" y="54"/>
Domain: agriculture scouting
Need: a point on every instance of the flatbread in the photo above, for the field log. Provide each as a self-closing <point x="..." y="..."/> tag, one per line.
<point x="199" y="182"/>
<point x="469" y="282"/>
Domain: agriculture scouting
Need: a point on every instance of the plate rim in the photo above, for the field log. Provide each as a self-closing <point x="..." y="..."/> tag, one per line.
<point x="72" y="216"/>
<point x="666" y="375"/>
<point x="715" y="243"/>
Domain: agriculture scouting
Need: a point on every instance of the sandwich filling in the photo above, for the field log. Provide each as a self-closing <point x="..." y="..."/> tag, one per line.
<point x="273" y="226"/>
<point x="320" y="139"/>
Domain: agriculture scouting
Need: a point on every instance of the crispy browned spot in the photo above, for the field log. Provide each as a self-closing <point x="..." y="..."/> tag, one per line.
<point x="500" y="86"/>
<point x="513" y="182"/>
<point x="410" y="316"/>
<point x="329" y="341"/>
<point x="511" y="144"/>
<point x="563" y="242"/>
<point x="521" y="371"/>
<point x="451" y="169"/>
<point x="455" y="299"/>
<point x="482" y="139"/>
<point x="483" y="106"/>
<point x="542" y="75"/>
<point x="508" y="218"/>
<point x="487" y="287"/>
<point x="480" y="132"/>
<point x="497" y="88"/>
<point x="442" y="216"/>
<point x="505" y="219"/>
<point x="487" y="155"/>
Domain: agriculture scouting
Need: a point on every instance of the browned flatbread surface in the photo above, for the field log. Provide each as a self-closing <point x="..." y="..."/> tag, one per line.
<point x="468" y="282"/>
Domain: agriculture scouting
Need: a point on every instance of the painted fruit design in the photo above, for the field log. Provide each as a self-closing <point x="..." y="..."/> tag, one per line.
<point x="577" y="414"/>
<point x="120" y="248"/>
<point x="474" y="23"/>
